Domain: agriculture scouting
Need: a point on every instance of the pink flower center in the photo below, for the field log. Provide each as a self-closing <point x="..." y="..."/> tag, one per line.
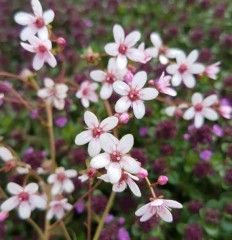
<point x="133" y="95"/>
<point x="53" y="92"/>
<point x="39" y="22"/>
<point x="115" y="156"/>
<point x="85" y="92"/>
<point x="123" y="177"/>
<point x="97" y="132"/>
<point x="122" y="49"/>
<point x="198" y="107"/>
<point x="110" y="78"/>
<point x="91" y="172"/>
<point x="182" y="68"/>
<point x="42" y="49"/>
<point x="23" y="196"/>
<point x="60" y="177"/>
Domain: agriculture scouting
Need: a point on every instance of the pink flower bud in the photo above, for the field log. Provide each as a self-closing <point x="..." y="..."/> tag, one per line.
<point x="61" y="41"/>
<point x="151" y="83"/>
<point x="162" y="180"/>
<point x="124" y="118"/>
<point x="143" y="173"/>
<point x="3" y="216"/>
<point x="128" y="77"/>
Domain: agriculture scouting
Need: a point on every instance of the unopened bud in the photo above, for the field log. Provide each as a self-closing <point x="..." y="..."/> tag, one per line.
<point x="61" y="41"/>
<point x="124" y="118"/>
<point x="143" y="173"/>
<point x="151" y="83"/>
<point x="3" y="216"/>
<point x="162" y="180"/>
<point x="128" y="77"/>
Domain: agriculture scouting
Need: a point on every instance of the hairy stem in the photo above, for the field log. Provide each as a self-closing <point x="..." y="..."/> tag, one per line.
<point x="89" y="214"/>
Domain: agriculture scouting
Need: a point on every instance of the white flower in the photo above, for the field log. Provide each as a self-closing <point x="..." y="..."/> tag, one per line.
<point x="163" y="85"/>
<point x="184" y="69"/>
<point x="25" y="199"/>
<point x="61" y="181"/>
<point x="123" y="47"/>
<point x="58" y="208"/>
<point x="164" y="52"/>
<point x="112" y="74"/>
<point x="212" y="70"/>
<point x="159" y="207"/>
<point x="121" y="185"/>
<point x="134" y="95"/>
<point x="35" y="23"/>
<point x="42" y="48"/>
<point x="54" y="93"/>
<point x="149" y="53"/>
<point x="87" y="93"/>
<point x="96" y="130"/>
<point x="201" y="109"/>
<point x="176" y="110"/>
<point x="115" y="158"/>
<point x="5" y="154"/>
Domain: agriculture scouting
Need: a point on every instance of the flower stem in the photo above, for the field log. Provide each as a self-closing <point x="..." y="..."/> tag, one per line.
<point x="66" y="234"/>
<point x="150" y="187"/>
<point x="106" y="211"/>
<point x="37" y="228"/>
<point x="89" y="218"/>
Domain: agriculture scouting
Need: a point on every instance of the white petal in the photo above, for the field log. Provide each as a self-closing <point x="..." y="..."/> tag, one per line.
<point x="147" y="216"/>
<point x="141" y="211"/>
<point x="130" y="165"/>
<point x="197" y="98"/>
<point x="59" y="104"/>
<point x="10" y="203"/>
<point x="126" y="143"/>
<point x="48" y="16"/>
<point x="133" y="187"/>
<point x="189" y="113"/>
<point x="171" y="69"/>
<point x="210" y="114"/>
<point x="31" y="188"/>
<point x="51" y="178"/>
<point x="135" y="55"/>
<point x="189" y="80"/>
<point x="109" y="123"/>
<point x="139" y="80"/>
<point x="98" y="75"/>
<point x="38" y="201"/>
<point x="27" y="47"/>
<point x="170" y="111"/>
<point x="71" y="173"/>
<point x="114" y="172"/>
<point x="172" y="204"/>
<point x="165" y="214"/>
<point x="176" y="79"/>
<point x="148" y="93"/>
<point x="68" y="185"/>
<point x="106" y="91"/>
<point x="100" y="161"/>
<point x="83" y="137"/>
<point x="5" y="154"/>
<point x="163" y="59"/>
<point x="210" y="100"/>
<point x="108" y="143"/>
<point x="56" y="188"/>
<point x="48" y="83"/>
<point x="104" y="177"/>
<point x="24" y="210"/>
<point x="192" y="57"/>
<point x="121" y="61"/>
<point x="50" y="214"/>
<point x="94" y="147"/>
<point x="199" y="120"/>
<point x="118" y="33"/>
<point x="122" y="105"/>
<point x="119" y="187"/>
<point x="38" y="62"/>
<point x="111" y="49"/>
<point x="121" y="88"/>
<point x="14" y="188"/>
<point x="43" y="33"/>
<point x="50" y="59"/>
<point x="91" y="120"/>
<point x="180" y="58"/>
<point x="156" y="40"/>
<point x="138" y="109"/>
<point x="196" y="68"/>
<point x="132" y="38"/>
<point x="37" y="8"/>
<point x="169" y="91"/>
<point x="23" y="18"/>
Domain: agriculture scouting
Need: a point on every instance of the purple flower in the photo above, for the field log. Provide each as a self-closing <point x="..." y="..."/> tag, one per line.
<point x="109" y="218"/>
<point x="206" y="155"/>
<point x="143" y="131"/>
<point x="217" y="130"/>
<point x="61" y="121"/>
<point x="123" y="234"/>
<point x="121" y="220"/>
<point x="80" y="207"/>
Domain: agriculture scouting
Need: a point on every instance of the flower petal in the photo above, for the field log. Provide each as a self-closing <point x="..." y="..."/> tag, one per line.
<point x="139" y="80"/>
<point x="98" y="75"/>
<point x="91" y="120"/>
<point x="68" y="186"/>
<point x="196" y="68"/>
<point x="114" y="172"/>
<point x="170" y="111"/>
<point x="148" y="93"/>
<point x="119" y="187"/>
<point x="192" y="57"/>
<point x="141" y="211"/>
<point x="156" y="40"/>
<point x="31" y="188"/>
<point x="111" y="49"/>
<point x="94" y="147"/>
<point x="197" y="98"/>
<point x="126" y="143"/>
<point x="100" y="161"/>
<point x="132" y="38"/>
<point x="176" y="79"/>
<point x="119" y="34"/>
<point x="199" y="120"/>
<point x="10" y="203"/>
<point x="108" y="142"/>
<point x="106" y="91"/>
<point x="50" y="59"/>
<point x="171" y="69"/>
<point x="121" y="61"/>
<point x="130" y="164"/>
<point x="165" y="214"/>
<point x="38" y="62"/>
<point x="134" y="187"/>
<point x="83" y="137"/>
<point x="71" y="173"/>
<point x="48" y="16"/>
<point x="37" y="8"/>
<point x="189" y="80"/>
<point x="210" y="100"/>
<point x="5" y="154"/>
<point x="210" y="114"/>
<point x="38" y="201"/>
<point x="121" y="88"/>
<point x="109" y="123"/>
<point x="172" y="204"/>
<point x="23" y="18"/>
<point x="138" y="109"/>
<point x="135" y="54"/>
<point x="122" y="105"/>
<point x="189" y="113"/>
<point x="14" y="188"/>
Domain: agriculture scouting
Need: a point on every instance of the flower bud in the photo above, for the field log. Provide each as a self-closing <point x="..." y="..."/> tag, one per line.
<point x="143" y="173"/>
<point x="3" y="216"/>
<point x="124" y="118"/>
<point x="128" y="77"/>
<point x="151" y="83"/>
<point x="162" y="180"/>
<point x="61" y="41"/>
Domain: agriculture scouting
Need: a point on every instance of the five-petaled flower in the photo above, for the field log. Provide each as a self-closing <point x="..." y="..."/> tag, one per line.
<point x="35" y="23"/>
<point x="126" y="179"/>
<point x="185" y="68"/>
<point x="54" y="93"/>
<point x="112" y="74"/>
<point x="115" y="158"/>
<point x="25" y="199"/>
<point x="57" y="208"/>
<point x="96" y="130"/>
<point x="123" y="47"/>
<point x="159" y="207"/>
<point x="87" y="93"/>
<point x="201" y="109"/>
<point x="134" y="95"/>
<point x="61" y="181"/>
<point x="42" y="49"/>
<point x="163" y="85"/>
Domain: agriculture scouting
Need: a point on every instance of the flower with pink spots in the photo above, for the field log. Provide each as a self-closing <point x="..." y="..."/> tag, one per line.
<point x="134" y="95"/>
<point x="160" y="207"/>
<point x="87" y="93"/>
<point x="42" y="50"/>
<point x="201" y="109"/>
<point x="25" y="199"/>
<point x="123" y="47"/>
<point x="96" y="130"/>
<point x="185" y="69"/>
<point x="34" y="23"/>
